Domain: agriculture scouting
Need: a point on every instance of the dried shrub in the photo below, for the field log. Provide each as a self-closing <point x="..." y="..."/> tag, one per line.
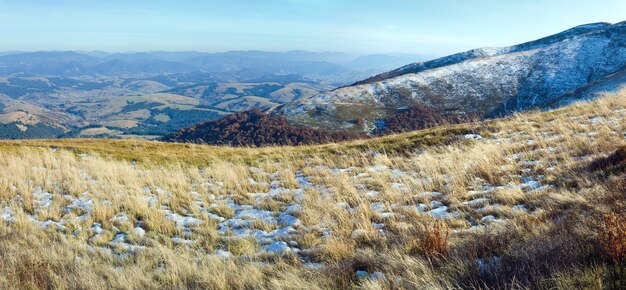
<point x="30" y="274"/>
<point x="432" y="242"/>
<point x="417" y="117"/>
<point x="612" y="239"/>
<point x="255" y="128"/>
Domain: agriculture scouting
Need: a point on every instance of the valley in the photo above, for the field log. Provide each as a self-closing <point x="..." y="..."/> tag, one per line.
<point x="148" y="95"/>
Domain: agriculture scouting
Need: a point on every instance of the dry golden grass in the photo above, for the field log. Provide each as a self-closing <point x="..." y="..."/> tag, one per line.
<point x="431" y="209"/>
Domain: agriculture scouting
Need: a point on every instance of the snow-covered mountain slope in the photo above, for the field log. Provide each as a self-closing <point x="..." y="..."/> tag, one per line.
<point x="608" y="84"/>
<point x="482" y="82"/>
<point x="485" y="52"/>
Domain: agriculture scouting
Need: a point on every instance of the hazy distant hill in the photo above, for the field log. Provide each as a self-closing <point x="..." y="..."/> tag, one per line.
<point x="326" y="66"/>
<point x="150" y="94"/>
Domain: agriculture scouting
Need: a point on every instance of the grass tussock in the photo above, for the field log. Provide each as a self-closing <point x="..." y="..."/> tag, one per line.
<point x="432" y="242"/>
<point x="612" y="239"/>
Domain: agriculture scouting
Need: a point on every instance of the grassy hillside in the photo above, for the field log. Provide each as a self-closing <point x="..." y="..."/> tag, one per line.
<point x="535" y="200"/>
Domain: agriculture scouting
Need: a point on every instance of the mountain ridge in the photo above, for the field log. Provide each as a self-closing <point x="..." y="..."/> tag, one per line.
<point x="485" y="82"/>
<point x="483" y="52"/>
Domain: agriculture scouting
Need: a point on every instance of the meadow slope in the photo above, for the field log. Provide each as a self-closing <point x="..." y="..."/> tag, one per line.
<point x="535" y="200"/>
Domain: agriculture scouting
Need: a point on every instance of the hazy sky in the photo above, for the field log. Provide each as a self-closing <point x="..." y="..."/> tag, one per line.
<point x="433" y="27"/>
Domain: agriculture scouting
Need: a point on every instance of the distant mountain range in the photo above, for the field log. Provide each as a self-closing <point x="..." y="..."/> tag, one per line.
<point x="332" y="67"/>
<point x="148" y="95"/>
<point x="555" y="70"/>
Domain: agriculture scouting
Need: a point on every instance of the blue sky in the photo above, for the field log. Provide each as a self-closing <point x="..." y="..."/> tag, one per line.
<point x="434" y="27"/>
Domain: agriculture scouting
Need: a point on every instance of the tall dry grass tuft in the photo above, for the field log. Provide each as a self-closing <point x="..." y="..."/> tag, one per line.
<point x="612" y="239"/>
<point x="432" y="242"/>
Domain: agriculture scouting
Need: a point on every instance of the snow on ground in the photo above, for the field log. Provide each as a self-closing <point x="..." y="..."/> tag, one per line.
<point x="277" y="229"/>
<point x="281" y="229"/>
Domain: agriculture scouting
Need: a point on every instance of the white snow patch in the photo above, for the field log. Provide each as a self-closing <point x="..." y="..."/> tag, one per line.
<point x="442" y="213"/>
<point x="288" y="220"/>
<point x="278" y="247"/>
<point x="488" y="219"/>
<point x="7" y="215"/>
<point x="596" y="120"/>
<point x="223" y="254"/>
<point x="473" y="136"/>
<point x="478" y="201"/>
<point x="139" y="231"/>
<point x="182" y="221"/>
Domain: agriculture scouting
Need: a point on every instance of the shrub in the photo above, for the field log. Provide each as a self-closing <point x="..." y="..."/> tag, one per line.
<point x="416" y="117"/>
<point x="432" y="242"/>
<point x="255" y="128"/>
<point x="612" y="239"/>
